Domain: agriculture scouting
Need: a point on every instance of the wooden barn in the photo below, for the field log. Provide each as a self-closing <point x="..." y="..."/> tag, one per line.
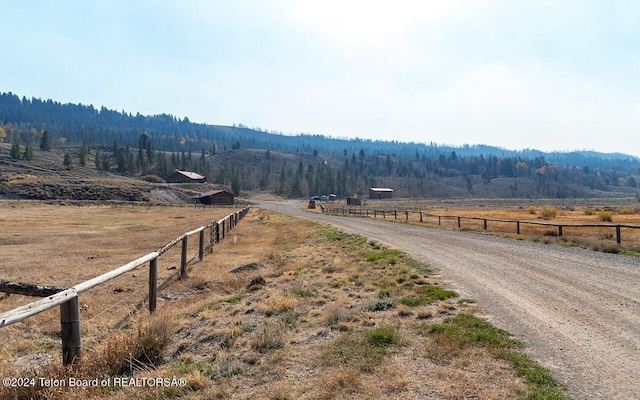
<point x="215" y="197"/>
<point x="380" y="193"/>
<point x="185" y="177"/>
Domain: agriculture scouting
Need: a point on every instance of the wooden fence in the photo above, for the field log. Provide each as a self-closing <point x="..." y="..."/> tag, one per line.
<point x="423" y="216"/>
<point x="68" y="300"/>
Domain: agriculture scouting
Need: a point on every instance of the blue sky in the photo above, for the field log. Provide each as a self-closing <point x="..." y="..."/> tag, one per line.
<point x="548" y="75"/>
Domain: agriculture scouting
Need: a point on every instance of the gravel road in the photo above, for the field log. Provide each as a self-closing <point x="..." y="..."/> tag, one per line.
<point x="577" y="311"/>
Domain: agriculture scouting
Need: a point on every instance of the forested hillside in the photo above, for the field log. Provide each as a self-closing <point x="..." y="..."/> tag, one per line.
<point x="302" y="165"/>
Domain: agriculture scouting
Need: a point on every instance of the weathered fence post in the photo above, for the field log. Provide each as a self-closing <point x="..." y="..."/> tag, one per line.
<point x="420" y="216"/>
<point x="458" y="222"/>
<point x="375" y="213"/>
<point x="518" y="227"/>
<point x="70" y="331"/>
<point x="618" y="235"/>
<point x="153" y="284"/>
<point x="183" y="259"/>
<point x="212" y="239"/>
<point x="395" y="214"/>
<point x="201" y="246"/>
<point x="559" y="230"/>
<point x="439" y="220"/>
<point x="485" y="224"/>
<point x="406" y="215"/>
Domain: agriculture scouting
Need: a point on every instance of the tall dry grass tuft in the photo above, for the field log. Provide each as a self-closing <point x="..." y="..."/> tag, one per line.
<point x="154" y="338"/>
<point x="274" y="258"/>
<point x="277" y="304"/>
<point x="335" y="313"/>
<point x="339" y="382"/>
<point x="271" y="334"/>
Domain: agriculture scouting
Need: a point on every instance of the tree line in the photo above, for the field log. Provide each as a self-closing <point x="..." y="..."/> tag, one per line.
<point x="300" y="165"/>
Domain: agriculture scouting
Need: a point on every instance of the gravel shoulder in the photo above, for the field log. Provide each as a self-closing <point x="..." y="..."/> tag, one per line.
<point x="578" y="311"/>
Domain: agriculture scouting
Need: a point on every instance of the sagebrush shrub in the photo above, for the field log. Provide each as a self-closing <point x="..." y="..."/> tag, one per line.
<point x="549" y="212"/>
<point x="606" y="216"/>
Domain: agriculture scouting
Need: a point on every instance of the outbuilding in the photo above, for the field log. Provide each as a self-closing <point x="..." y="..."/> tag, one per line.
<point x="380" y="193"/>
<point x="185" y="177"/>
<point x="215" y="197"/>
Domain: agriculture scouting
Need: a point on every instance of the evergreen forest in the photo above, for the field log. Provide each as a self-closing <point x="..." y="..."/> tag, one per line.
<point x="301" y="165"/>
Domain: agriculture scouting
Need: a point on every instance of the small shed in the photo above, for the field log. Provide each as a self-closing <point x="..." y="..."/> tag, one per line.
<point x="185" y="177"/>
<point x="215" y="197"/>
<point x="380" y="193"/>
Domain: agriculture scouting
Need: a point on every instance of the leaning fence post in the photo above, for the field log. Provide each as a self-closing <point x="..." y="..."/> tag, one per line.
<point x="153" y="284"/>
<point x="183" y="259"/>
<point x="70" y="331"/>
<point x="201" y="246"/>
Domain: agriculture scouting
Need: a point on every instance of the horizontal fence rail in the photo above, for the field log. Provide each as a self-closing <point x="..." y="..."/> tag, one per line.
<point x="68" y="299"/>
<point x="459" y="218"/>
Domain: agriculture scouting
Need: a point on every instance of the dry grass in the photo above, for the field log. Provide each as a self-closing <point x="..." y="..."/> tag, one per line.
<point x="620" y="211"/>
<point x="311" y="328"/>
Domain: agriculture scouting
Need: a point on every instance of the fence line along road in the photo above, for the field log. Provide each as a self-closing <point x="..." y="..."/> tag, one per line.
<point x="68" y="299"/>
<point x="374" y="212"/>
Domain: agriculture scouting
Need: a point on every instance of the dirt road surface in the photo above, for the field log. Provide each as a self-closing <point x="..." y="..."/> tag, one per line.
<point x="577" y="311"/>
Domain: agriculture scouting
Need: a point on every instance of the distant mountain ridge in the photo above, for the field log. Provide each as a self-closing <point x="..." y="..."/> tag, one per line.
<point x="76" y="122"/>
<point x="253" y="159"/>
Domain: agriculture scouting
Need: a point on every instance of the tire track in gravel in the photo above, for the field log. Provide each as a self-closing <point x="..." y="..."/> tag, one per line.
<point x="577" y="311"/>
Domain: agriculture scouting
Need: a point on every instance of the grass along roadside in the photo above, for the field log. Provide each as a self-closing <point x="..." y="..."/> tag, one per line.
<point x="602" y="239"/>
<point x="317" y="313"/>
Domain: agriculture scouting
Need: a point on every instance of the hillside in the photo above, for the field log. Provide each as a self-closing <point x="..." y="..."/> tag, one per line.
<point x="46" y="178"/>
<point x="122" y="146"/>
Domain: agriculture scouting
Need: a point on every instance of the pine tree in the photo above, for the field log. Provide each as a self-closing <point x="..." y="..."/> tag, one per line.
<point x="83" y="154"/>
<point x="28" y="153"/>
<point x="98" y="160"/>
<point x="68" y="162"/>
<point x="45" y="142"/>
<point x="15" y="151"/>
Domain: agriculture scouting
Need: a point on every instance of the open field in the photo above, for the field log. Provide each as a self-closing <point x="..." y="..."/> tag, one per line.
<point x="622" y="212"/>
<point x="62" y="246"/>
<point x="313" y="313"/>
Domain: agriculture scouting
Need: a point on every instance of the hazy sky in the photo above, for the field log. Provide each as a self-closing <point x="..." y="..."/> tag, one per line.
<point x="548" y="75"/>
